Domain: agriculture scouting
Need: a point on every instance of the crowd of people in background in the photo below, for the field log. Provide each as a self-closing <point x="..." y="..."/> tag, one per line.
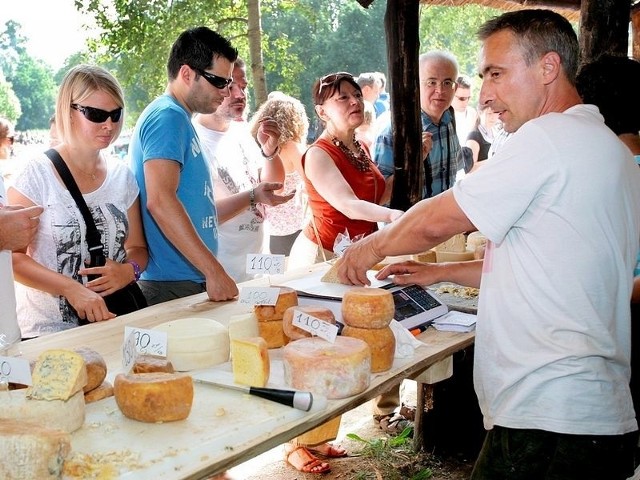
<point x="205" y="183"/>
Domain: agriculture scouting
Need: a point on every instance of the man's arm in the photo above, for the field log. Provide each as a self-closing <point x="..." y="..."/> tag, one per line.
<point x="162" y="178"/>
<point x="18" y="225"/>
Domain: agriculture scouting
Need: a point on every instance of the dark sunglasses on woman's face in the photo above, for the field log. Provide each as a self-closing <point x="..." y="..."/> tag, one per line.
<point x="215" y="80"/>
<point x="97" y="115"/>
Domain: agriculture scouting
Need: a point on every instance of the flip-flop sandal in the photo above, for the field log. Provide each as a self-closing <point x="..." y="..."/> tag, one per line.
<point x="302" y="460"/>
<point x="328" y="450"/>
<point x="393" y="423"/>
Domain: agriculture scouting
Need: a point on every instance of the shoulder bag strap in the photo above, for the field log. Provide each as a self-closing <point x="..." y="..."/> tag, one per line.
<point x="93" y="235"/>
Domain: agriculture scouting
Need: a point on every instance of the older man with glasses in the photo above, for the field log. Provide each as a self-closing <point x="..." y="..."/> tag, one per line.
<point x="178" y="209"/>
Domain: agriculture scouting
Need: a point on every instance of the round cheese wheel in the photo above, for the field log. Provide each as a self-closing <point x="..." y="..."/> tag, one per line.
<point x="103" y="391"/>
<point x="194" y="343"/>
<point x="154" y="397"/>
<point x="151" y="363"/>
<point x="273" y="333"/>
<point x="268" y="313"/>
<point x="364" y="307"/>
<point x="382" y="342"/>
<point x="295" y="333"/>
<point x="96" y="368"/>
<point x="334" y="370"/>
<point x="66" y="415"/>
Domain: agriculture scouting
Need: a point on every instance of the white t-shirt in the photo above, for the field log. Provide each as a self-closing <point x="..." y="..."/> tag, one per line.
<point x="560" y="205"/>
<point x="60" y="243"/>
<point x="236" y="161"/>
<point x="9" y="330"/>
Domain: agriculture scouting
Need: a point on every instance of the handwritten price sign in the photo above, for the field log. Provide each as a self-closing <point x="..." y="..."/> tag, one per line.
<point x="129" y="352"/>
<point x="258" y="296"/>
<point x="15" y="370"/>
<point x="268" y="264"/>
<point x="315" y="326"/>
<point x="148" y="342"/>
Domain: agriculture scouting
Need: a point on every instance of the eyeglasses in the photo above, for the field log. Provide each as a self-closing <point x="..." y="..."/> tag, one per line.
<point x="463" y="99"/>
<point x="215" y="80"/>
<point x="444" y="85"/>
<point x="333" y="78"/>
<point x="97" y="115"/>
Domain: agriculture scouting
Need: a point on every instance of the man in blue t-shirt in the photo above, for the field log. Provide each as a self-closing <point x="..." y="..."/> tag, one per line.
<point x="178" y="210"/>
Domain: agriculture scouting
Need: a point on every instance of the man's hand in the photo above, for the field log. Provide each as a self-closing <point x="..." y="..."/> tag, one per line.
<point x="265" y="193"/>
<point x="18" y="226"/>
<point x="221" y="287"/>
<point x="409" y="272"/>
<point x="357" y="259"/>
<point x="268" y="136"/>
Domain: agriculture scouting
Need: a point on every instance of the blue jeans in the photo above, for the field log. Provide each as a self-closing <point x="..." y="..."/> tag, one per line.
<point x="160" y="292"/>
<point x="513" y="454"/>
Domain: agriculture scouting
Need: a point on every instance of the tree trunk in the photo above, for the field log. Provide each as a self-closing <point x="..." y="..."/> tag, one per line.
<point x="255" y="51"/>
<point x="401" y="24"/>
<point x="604" y="28"/>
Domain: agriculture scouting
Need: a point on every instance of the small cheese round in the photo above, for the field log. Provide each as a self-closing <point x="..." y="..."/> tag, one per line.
<point x="364" y="307"/>
<point x="103" y="391"/>
<point x="154" y="397"/>
<point x="273" y="333"/>
<point x="151" y="363"/>
<point x="195" y="343"/>
<point x="96" y="368"/>
<point x="334" y="370"/>
<point x="295" y="333"/>
<point x="382" y="342"/>
<point x="268" y="313"/>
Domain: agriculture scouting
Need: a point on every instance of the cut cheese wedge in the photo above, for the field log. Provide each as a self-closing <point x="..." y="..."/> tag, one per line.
<point x="57" y="375"/>
<point x="250" y="361"/>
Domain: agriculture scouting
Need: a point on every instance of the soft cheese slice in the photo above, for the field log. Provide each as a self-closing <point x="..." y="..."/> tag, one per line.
<point x="30" y="451"/>
<point x="58" y="375"/>
<point x="65" y="415"/>
<point x="250" y="361"/>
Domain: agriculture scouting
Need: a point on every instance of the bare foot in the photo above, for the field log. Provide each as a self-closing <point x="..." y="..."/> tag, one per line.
<point x="328" y="450"/>
<point x="304" y="461"/>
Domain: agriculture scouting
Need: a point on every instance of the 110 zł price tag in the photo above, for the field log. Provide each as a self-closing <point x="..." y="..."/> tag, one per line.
<point x="265" y="264"/>
<point x="15" y="370"/>
<point x="251" y="296"/>
<point x="315" y="326"/>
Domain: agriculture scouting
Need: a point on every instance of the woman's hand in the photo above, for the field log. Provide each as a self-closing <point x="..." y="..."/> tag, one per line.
<point x="112" y="277"/>
<point x="88" y="304"/>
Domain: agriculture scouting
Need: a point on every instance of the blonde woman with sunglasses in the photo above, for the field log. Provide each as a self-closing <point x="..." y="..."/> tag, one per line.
<point x="54" y="292"/>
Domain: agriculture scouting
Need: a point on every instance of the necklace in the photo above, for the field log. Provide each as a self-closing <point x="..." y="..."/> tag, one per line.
<point x="359" y="160"/>
<point x="93" y="175"/>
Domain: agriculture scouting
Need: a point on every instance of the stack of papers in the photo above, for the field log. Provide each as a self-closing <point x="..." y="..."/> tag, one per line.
<point x="455" y="322"/>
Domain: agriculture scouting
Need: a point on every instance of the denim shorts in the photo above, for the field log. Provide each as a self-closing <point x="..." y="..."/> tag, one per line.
<point x="159" y="292"/>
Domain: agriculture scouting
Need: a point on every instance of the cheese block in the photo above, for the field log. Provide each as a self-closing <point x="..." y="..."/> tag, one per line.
<point x="333" y="370"/>
<point x="58" y="375"/>
<point x="475" y="240"/>
<point x="331" y="275"/>
<point x="454" y="256"/>
<point x="364" y="307"/>
<point x="194" y="343"/>
<point x="96" y="367"/>
<point x="382" y="342"/>
<point x="154" y="397"/>
<point x="250" y="361"/>
<point x="151" y="363"/>
<point x="294" y="333"/>
<point x="425" y="257"/>
<point x="101" y="392"/>
<point x="268" y="313"/>
<point x="31" y="451"/>
<point x="273" y="333"/>
<point x="243" y="325"/>
<point x="457" y="243"/>
<point x="66" y="415"/>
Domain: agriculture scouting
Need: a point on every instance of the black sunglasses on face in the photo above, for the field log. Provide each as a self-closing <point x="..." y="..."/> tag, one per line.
<point x="215" y="80"/>
<point x="97" y="115"/>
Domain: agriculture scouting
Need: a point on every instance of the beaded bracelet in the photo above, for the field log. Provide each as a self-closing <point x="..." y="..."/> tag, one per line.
<point x="272" y="156"/>
<point x="136" y="269"/>
<point x="252" y="198"/>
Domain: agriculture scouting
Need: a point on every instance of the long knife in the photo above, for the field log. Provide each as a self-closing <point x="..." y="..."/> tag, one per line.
<point x="291" y="398"/>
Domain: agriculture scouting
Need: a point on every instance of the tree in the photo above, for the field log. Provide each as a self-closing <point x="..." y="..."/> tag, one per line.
<point x="34" y="85"/>
<point x="9" y="103"/>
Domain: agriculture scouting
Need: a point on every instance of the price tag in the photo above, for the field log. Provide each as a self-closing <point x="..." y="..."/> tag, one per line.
<point x="148" y="342"/>
<point x="15" y="370"/>
<point x="269" y="264"/>
<point x="129" y="352"/>
<point x="258" y="296"/>
<point x="315" y="326"/>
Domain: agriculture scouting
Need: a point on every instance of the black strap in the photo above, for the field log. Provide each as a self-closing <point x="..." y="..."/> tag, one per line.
<point x="94" y="239"/>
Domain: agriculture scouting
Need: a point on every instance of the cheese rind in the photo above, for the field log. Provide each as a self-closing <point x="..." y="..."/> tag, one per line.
<point x="364" y="307"/>
<point x="295" y="333"/>
<point x="105" y="390"/>
<point x="151" y="363"/>
<point x="57" y="375"/>
<point x="382" y="342"/>
<point x="250" y="361"/>
<point x="273" y="333"/>
<point x="66" y="415"/>
<point x="334" y="370"/>
<point x="243" y="325"/>
<point x="30" y="451"/>
<point x="268" y="313"/>
<point x="194" y="343"/>
<point x="154" y="397"/>
<point x="96" y="367"/>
